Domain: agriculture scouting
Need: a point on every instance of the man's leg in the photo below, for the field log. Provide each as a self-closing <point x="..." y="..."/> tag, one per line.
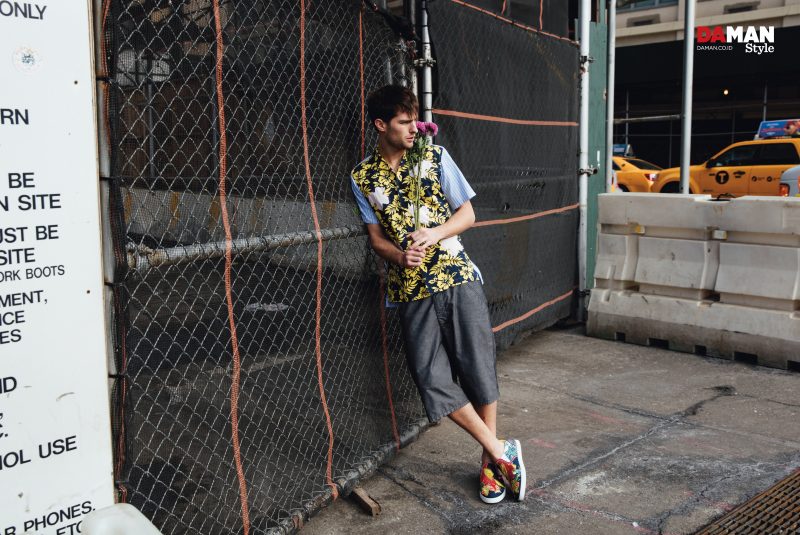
<point x="488" y="413"/>
<point x="468" y="419"/>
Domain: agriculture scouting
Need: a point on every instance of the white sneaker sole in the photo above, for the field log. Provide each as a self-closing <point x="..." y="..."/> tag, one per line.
<point x="499" y="499"/>
<point x="522" y="472"/>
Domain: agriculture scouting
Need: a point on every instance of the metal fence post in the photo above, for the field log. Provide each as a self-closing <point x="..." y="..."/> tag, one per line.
<point x="583" y="158"/>
<point x="427" y="62"/>
<point x="612" y="43"/>
<point x="688" y="73"/>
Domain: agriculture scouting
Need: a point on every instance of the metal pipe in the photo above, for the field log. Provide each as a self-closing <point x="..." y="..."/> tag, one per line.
<point x="612" y="43"/>
<point x="388" y="62"/>
<point x="427" y="62"/>
<point x="688" y="74"/>
<point x="414" y="80"/>
<point x="669" y="157"/>
<point x="583" y="157"/>
<point x="648" y="119"/>
<point x="627" y="114"/>
<point x="410" y="7"/>
<point x="142" y="258"/>
<point x="764" y="105"/>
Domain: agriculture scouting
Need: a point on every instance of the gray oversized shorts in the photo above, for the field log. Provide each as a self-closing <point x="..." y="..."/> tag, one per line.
<point x="450" y="349"/>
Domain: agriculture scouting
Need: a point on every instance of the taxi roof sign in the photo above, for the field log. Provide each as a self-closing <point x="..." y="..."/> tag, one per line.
<point x="781" y="128"/>
<point x="621" y="149"/>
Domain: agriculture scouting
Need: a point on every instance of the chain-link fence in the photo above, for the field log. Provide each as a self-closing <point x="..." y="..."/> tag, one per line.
<point x="258" y="375"/>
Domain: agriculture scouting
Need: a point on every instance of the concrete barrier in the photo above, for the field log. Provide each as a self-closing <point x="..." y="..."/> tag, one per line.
<point x="691" y="273"/>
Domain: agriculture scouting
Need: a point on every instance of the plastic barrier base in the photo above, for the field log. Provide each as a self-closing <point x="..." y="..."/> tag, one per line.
<point x="753" y="336"/>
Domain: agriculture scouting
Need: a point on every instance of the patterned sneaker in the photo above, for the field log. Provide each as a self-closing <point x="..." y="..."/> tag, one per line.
<point x="512" y="468"/>
<point x="492" y="488"/>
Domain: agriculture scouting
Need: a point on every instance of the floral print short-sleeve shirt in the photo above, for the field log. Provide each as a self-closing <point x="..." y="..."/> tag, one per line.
<point x="392" y="197"/>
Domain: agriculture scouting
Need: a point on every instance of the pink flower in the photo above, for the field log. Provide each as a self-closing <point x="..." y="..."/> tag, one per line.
<point x="427" y="128"/>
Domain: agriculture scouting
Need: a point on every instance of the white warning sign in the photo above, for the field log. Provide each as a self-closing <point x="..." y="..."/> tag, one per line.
<point x="55" y="444"/>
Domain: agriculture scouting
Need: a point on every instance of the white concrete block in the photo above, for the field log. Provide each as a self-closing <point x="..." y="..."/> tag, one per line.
<point x="647" y="209"/>
<point x="616" y="260"/>
<point x="760" y="271"/>
<point x="674" y="265"/>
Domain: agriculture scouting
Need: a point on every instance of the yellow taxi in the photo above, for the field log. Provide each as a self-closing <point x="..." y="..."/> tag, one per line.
<point x="744" y="168"/>
<point x="634" y="174"/>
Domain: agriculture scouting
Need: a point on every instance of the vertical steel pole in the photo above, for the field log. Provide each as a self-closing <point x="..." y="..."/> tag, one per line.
<point x="612" y="43"/>
<point x="410" y="9"/>
<point x="427" y="78"/>
<point x="388" y="63"/>
<point x="627" y="116"/>
<point x="764" y="105"/>
<point x="669" y="158"/>
<point x="411" y="13"/>
<point x="583" y="158"/>
<point x="688" y="74"/>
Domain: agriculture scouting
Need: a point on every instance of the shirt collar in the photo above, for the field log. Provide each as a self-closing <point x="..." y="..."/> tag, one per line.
<point x="380" y="161"/>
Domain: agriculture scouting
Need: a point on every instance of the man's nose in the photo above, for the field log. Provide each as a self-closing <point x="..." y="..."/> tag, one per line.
<point x="414" y="127"/>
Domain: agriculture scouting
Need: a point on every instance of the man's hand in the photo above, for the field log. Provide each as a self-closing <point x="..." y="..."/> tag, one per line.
<point x="413" y="257"/>
<point x="425" y="237"/>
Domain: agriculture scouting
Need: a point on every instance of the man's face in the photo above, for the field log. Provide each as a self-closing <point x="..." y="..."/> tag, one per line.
<point x="400" y="131"/>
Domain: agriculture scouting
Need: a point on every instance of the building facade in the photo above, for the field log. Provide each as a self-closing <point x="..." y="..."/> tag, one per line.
<point x="734" y="88"/>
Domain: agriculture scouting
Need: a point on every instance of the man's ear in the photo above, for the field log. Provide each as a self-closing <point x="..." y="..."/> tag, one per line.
<point x="381" y="125"/>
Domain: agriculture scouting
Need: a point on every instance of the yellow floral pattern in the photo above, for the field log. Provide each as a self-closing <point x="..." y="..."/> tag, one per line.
<point x="392" y="196"/>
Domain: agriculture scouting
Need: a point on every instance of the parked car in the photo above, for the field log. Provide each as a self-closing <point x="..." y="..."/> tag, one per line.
<point x="790" y="182"/>
<point x="744" y="168"/>
<point x="634" y="174"/>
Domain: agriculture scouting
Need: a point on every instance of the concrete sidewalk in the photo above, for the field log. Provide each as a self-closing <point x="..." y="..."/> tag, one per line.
<point x="616" y="439"/>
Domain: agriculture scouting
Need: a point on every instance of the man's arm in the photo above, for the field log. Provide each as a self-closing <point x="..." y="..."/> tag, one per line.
<point x="458" y="193"/>
<point x="385" y="247"/>
<point x="389" y="251"/>
<point x="461" y="220"/>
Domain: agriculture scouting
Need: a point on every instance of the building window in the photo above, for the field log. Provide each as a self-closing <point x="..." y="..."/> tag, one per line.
<point x="643" y="21"/>
<point x="740" y="8"/>
<point x="625" y="5"/>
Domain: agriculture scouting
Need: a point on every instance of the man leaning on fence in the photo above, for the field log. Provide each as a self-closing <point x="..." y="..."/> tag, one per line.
<point x="414" y="225"/>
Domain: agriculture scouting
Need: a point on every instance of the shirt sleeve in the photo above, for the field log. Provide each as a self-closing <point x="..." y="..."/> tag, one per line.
<point x="454" y="186"/>
<point x="367" y="215"/>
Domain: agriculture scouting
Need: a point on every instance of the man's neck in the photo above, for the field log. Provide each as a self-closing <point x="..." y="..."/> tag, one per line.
<point x="391" y="154"/>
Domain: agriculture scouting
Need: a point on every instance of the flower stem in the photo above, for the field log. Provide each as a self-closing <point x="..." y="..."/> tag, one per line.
<point x="419" y="193"/>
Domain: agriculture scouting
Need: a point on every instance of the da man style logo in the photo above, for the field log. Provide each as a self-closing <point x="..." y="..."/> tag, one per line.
<point x="756" y="40"/>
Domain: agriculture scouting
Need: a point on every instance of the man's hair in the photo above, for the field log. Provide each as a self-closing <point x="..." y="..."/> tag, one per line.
<point x="389" y="100"/>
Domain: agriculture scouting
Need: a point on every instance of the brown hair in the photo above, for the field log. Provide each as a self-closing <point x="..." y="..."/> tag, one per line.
<point x="389" y="100"/>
